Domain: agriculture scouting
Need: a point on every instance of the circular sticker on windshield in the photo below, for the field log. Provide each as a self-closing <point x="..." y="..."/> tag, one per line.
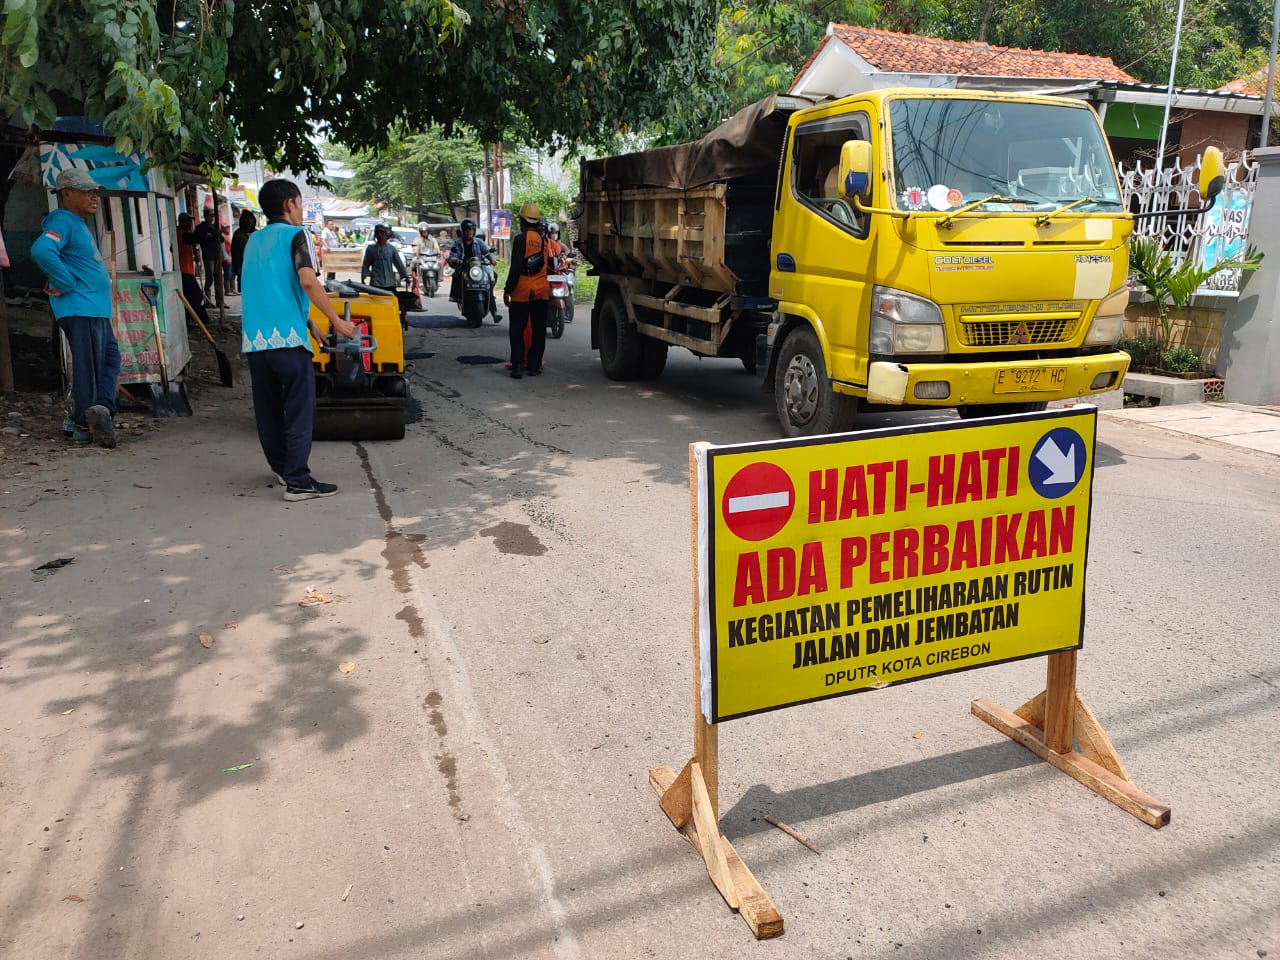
<point x="955" y="197"/>
<point x="913" y="198"/>
<point x="938" y="197"/>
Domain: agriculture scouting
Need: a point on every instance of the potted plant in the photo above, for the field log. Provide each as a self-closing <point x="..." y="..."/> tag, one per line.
<point x="1171" y="287"/>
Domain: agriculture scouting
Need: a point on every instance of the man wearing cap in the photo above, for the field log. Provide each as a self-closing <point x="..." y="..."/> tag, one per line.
<point x="80" y="294"/>
<point x="382" y="262"/>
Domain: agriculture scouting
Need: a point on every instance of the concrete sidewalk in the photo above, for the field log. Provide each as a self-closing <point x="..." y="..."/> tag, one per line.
<point x="1234" y="424"/>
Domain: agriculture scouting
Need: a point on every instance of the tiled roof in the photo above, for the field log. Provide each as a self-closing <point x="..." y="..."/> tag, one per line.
<point x="1255" y="83"/>
<point x="907" y="53"/>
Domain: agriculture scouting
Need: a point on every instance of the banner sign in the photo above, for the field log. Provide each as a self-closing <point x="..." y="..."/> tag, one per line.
<point x="112" y="171"/>
<point x="837" y="564"/>
<point x="135" y="330"/>
<point x="499" y="224"/>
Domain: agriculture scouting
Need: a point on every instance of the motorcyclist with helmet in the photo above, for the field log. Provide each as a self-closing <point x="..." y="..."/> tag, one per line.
<point x="424" y="244"/>
<point x="470" y="247"/>
<point x="526" y="294"/>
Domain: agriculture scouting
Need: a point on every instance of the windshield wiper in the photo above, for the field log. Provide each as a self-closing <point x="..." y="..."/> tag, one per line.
<point x="1045" y="218"/>
<point x="946" y="221"/>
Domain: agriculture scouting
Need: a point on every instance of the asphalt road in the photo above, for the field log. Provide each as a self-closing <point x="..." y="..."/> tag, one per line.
<point x="510" y="586"/>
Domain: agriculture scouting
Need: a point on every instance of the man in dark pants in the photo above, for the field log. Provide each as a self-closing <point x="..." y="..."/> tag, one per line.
<point x="279" y="279"/>
<point x="526" y="294"/>
<point x="80" y="295"/>
<point x="187" y="267"/>
<point x="209" y="239"/>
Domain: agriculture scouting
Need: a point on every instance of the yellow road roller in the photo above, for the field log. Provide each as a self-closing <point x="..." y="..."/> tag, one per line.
<point x="362" y="392"/>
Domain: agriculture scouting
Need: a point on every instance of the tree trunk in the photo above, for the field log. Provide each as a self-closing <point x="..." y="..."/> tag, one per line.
<point x="448" y="195"/>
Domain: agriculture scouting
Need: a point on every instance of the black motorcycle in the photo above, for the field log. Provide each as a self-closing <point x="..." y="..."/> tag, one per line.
<point x="477" y="290"/>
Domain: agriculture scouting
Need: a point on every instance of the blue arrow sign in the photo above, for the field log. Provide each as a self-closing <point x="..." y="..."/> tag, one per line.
<point x="1057" y="463"/>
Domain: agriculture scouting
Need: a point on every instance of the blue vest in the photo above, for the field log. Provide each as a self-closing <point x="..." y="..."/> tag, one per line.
<point x="274" y="305"/>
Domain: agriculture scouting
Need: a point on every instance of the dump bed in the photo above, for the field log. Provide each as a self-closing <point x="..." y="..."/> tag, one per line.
<point x="697" y="214"/>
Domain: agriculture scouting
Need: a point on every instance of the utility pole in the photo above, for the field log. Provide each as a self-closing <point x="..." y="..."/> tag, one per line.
<point x="1271" y="77"/>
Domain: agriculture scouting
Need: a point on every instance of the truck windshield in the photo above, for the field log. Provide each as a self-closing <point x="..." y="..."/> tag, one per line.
<point x="1014" y="156"/>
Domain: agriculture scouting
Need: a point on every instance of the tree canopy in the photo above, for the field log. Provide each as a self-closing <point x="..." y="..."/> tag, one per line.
<point x="761" y="44"/>
<point x="214" y="77"/>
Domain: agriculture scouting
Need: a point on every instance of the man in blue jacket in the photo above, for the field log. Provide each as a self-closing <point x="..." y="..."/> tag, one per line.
<point x="278" y="285"/>
<point x="80" y="295"/>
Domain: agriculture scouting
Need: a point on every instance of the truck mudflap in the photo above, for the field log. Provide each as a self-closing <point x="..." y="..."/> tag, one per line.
<point x="1013" y="381"/>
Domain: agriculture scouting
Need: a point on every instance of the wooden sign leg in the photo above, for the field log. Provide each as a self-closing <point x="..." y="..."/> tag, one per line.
<point x="1051" y="723"/>
<point x="691" y="799"/>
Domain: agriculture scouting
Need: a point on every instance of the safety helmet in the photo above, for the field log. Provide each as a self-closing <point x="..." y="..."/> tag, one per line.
<point x="468" y="224"/>
<point x="553" y="229"/>
<point x="530" y="212"/>
<point x="422" y="225"/>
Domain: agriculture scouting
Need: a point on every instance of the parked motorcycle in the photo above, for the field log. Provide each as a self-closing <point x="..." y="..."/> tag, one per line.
<point x="477" y="290"/>
<point x="560" y="309"/>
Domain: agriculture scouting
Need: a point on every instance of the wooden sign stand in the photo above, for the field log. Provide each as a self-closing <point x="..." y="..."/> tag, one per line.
<point x="1049" y="725"/>
<point x="691" y="799"/>
<point x="1052" y="722"/>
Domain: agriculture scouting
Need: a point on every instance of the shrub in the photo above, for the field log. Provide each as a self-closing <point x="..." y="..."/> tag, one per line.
<point x="1182" y="360"/>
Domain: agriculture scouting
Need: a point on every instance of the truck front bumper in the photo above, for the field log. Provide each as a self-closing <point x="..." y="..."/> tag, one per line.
<point x="1014" y="381"/>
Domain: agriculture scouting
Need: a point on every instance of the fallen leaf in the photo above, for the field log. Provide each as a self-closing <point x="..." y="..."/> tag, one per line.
<point x="74" y="898"/>
<point x="313" y="598"/>
<point x="541" y="639"/>
<point x="346" y="666"/>
<point x="65" y="712"/>
<point x="917" y="735"/>
<point x="206" y="640"/>
<point x="231" y="625"/>
<point x="241" y="766"/>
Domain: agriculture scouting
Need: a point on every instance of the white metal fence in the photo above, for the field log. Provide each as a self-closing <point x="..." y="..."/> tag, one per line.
<point x="1220" y="234"/>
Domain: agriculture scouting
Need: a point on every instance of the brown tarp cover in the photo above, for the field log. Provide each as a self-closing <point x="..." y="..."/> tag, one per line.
<point x="747" y="145"/>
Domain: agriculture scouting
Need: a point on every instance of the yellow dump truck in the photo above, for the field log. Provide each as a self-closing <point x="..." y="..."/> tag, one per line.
<point x="912" y="248"/>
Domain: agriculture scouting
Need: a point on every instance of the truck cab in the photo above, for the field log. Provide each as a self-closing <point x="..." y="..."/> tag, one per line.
<point x="944" y="249"/>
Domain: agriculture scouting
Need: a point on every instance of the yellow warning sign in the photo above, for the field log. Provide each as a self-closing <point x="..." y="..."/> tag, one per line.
<point x="837" y="564"/>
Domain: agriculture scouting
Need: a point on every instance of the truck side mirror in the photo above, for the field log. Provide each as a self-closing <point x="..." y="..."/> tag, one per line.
<point x="1213" y="175"/>
<point x="855" y="168"/>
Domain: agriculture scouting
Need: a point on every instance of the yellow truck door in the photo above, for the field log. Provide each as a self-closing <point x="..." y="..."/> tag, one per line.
<point x="823" y="250"/>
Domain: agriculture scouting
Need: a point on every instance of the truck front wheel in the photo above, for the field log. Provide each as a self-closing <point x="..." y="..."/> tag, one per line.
<point x="807" y="406"/>
<point x="621" y="346"/>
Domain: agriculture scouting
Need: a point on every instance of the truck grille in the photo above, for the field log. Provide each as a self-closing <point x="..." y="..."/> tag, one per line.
<point x="1006" y="332"/>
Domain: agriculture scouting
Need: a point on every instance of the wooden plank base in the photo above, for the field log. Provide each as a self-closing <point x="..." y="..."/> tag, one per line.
<point x="736" y="883"/>
<point x="1120" y="790"/>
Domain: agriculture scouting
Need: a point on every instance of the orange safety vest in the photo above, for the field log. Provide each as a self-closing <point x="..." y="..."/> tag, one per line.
<point x="532" y="286"/>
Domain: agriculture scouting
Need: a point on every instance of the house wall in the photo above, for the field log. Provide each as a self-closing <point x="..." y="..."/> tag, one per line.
<point x="1230" y="131"/>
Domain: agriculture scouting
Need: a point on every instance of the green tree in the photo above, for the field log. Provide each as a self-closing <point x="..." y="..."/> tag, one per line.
<point x="420" y="171"/>
<point x="216" y="78"/>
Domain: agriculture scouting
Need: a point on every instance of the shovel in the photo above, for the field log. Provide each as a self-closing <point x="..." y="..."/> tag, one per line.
<point x="224" y="365"/>
<point x="168" y="399"/>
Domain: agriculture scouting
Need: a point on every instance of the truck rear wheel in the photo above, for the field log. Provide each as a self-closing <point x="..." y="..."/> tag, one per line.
<point x="653" y="358"/>
<point x="621" y="346"/>
<point x="806" y="404"/>
<point x="975" y="410"/>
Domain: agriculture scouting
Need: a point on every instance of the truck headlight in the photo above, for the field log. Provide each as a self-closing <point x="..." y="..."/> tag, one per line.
<point x="1108" y="322"/>
<point x="903" y="323"/>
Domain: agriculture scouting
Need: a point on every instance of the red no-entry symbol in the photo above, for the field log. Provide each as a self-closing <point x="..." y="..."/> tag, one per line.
<point x="758" y="501"/>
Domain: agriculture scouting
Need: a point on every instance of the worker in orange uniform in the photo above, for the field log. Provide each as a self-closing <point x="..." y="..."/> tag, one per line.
<point x="526" y="294"/>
